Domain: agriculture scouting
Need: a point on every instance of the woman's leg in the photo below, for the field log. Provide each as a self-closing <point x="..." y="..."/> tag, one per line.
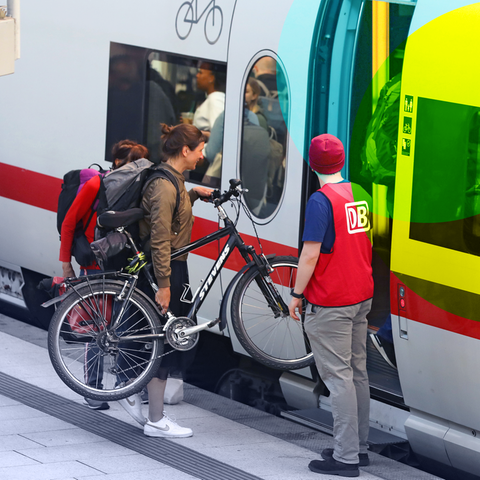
<point x="156" y="392"/>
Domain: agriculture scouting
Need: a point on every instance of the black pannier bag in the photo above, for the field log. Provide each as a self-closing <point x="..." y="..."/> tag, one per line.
<point x="107" y="250"/>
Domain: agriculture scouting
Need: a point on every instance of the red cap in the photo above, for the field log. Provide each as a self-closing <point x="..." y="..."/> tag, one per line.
<point x="326" y="154"/>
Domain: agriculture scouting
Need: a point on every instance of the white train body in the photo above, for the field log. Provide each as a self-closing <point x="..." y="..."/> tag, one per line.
<point x="55" y="116"/>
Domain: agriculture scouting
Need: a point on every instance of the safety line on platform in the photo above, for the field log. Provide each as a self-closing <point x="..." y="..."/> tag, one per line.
<point x="168" y="453"/>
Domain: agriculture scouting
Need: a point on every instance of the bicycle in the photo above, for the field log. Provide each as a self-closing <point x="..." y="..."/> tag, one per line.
<point x="107" y="310"/>
<point x="189" y="16"/>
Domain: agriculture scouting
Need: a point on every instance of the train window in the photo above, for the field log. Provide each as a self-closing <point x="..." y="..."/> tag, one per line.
<point x="264" y="137"/>
<point x="147" y="88"/>
<point x="446" y="176"/>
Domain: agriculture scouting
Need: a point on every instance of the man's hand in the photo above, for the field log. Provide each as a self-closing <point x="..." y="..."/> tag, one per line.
<point x="295" y="304"/>
<point x="162" y="297"/>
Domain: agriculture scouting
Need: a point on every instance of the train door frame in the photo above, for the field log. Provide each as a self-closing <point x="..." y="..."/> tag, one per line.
<point x="434" y="286"/>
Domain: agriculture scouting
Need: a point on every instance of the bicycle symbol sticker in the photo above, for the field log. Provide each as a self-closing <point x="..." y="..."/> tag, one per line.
<point x="187" y="15"/>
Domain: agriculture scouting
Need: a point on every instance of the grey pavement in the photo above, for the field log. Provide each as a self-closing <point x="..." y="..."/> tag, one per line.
<point x="110" y="445"/>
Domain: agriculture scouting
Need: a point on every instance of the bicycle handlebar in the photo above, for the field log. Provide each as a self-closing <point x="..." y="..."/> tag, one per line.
<point x="234" y="191"/>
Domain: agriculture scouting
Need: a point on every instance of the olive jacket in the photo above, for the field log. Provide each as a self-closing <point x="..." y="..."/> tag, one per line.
<point x="167" y="232"/>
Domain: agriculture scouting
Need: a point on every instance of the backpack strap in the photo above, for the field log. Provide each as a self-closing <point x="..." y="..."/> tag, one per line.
<point x="266" y="91"/>
<point x="159" y="172"/>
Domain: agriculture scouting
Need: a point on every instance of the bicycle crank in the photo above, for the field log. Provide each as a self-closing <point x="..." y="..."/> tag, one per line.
<point x="176" y="336"/>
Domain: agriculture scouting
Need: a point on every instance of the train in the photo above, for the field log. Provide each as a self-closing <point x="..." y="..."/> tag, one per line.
<point x="396" y="81"/>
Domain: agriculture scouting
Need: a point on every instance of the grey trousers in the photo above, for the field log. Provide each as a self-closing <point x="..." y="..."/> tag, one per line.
<point x="338" y="338"/>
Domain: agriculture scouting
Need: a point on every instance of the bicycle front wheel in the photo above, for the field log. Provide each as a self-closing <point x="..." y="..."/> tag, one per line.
<point x="265" y="330"/>
<point x="93" y="358"/>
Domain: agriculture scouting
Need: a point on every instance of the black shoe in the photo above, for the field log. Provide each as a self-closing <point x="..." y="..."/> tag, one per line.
<point x="386" y="350"/>
<point x="333" y="467"/>
<point x="95" y="404"/>
<point x="364" y="461"/>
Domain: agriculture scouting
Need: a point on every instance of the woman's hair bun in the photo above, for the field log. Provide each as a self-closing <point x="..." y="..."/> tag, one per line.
<point x="166" y="129"/>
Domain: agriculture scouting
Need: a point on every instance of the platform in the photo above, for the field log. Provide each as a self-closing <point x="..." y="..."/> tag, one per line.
<point x="47" y="433"/>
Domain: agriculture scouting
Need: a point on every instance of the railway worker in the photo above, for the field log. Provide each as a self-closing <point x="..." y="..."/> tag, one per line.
<point x="83" y="210"/>
<point x="166" y="228"/>
<point x="335" y="277"/>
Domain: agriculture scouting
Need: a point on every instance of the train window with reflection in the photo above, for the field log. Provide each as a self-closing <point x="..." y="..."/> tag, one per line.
<point x="446" y="176"/>
<point x="264" y="137"/>
<point x="147" y="88"/>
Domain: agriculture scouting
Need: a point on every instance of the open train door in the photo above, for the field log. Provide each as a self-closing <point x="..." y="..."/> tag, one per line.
<point x="435" y="288"/>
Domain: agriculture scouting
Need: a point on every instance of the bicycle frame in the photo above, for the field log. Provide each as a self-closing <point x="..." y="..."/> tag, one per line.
<point x="234" y="240"/>
<point x="248" y="253"/>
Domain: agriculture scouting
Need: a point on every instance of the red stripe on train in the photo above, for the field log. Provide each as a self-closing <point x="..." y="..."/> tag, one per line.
<point x="418" y="309"/>
<point x="203" y="227"/>
<point x="39" y="190"/>
<point x="29" y="187"/>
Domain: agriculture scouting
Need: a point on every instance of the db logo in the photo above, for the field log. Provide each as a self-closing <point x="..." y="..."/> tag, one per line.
<point x="357" y="217"/>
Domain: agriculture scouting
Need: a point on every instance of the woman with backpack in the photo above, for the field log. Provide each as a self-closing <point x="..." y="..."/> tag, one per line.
<point x="82" y="215"/>
<point x="166" y="227"/>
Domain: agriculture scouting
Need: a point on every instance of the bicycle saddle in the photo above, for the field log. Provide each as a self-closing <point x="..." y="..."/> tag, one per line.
<point x="113" y="219"/>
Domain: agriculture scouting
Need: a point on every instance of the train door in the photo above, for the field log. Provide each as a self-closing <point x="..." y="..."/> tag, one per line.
<point x="360" y="74"/>
<point x="374" y="103"/>
<point x="436" y="233"/>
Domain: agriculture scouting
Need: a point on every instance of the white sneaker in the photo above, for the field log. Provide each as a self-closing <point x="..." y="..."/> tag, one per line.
<point x="166" y="427"/>
<point x="133" y="406"/>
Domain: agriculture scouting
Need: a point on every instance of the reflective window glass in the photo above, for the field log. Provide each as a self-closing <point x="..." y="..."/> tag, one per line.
<point x="446" y="176"/>
<point x="147" y="88"/>
<point x="374" y="117"/>
<point x="264" y="137"/>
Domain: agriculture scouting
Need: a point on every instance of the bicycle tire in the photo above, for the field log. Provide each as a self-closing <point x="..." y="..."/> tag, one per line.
<point x="280" y="343"/>
<point x="83" y="347"/>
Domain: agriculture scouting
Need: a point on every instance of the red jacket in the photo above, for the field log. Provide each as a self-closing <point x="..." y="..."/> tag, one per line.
<point x="81" y="209"/>
<point x="344" y="276"/>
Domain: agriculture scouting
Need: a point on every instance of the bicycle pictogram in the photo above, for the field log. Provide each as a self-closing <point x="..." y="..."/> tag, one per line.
<point x="187" y="15"/>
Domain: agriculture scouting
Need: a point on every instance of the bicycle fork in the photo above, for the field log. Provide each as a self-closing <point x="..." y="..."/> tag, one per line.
<point x="268" y="288"/>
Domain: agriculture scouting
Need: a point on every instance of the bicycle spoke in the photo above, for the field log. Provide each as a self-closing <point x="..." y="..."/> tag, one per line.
<point x="96" y="361"/>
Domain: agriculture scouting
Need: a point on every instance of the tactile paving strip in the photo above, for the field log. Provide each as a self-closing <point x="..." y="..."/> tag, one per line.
<point x="169" y="453"/>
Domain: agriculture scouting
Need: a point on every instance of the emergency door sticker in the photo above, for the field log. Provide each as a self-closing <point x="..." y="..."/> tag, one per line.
<point x="358" y="217"/>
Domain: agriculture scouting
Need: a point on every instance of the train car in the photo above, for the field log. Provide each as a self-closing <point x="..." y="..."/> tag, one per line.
<point x="396" y="81"/>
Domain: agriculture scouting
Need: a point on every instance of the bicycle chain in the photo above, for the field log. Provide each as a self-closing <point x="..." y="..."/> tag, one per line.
<point x="159" y="356"/>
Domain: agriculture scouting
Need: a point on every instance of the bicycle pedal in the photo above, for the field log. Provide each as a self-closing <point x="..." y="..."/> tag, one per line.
<point x="214" y="322"/>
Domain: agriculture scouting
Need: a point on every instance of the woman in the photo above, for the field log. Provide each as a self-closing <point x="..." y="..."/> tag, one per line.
<point x="168" y="229"/>
<point x="252" y="92"/>
<point x="83" y="210"/>
<point x="211" y="80"/>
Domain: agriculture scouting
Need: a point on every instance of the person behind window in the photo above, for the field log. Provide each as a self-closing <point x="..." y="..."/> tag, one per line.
<point x="211" y="79"/>
<point x="252" y="92"/>
<point x="254" y="163"/>
<point x="136" y="106"/>
<point x="265" y="70"/>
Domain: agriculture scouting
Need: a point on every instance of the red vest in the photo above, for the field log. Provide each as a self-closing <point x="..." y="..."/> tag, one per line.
<point x="344" y="276"/>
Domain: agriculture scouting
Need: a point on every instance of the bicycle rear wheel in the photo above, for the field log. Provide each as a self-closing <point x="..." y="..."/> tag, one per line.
<point x="265" y="331"/>
<point x="91" y="357"/>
